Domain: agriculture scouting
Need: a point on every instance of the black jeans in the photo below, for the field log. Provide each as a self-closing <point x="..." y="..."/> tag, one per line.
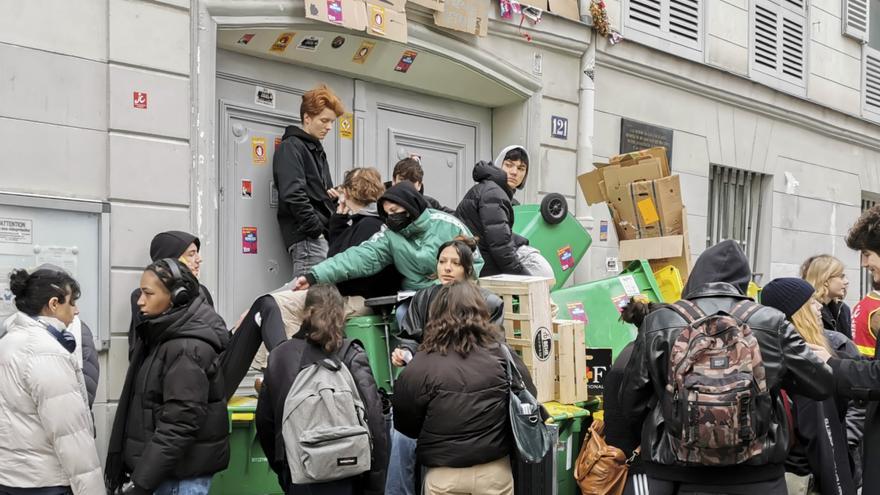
<point x="245" y="342"/>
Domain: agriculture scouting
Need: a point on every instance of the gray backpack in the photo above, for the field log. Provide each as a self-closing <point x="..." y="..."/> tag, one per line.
<point x="324" y="425"/>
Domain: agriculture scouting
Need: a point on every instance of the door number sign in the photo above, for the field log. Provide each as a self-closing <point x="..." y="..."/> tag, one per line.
<point x="559" y="127"/>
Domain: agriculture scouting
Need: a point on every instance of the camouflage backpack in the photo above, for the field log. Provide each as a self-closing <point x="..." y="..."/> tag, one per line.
<point x="717" y="402"/>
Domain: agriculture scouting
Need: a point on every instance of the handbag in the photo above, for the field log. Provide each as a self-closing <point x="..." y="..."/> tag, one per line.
<point x="529" y="431"/>
<point x="600" y="468"/>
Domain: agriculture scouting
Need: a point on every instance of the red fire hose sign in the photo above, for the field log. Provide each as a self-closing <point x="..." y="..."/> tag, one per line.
<point x="140" y="99"/>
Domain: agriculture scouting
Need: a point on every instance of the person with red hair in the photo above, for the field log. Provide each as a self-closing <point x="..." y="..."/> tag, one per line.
<point x="302" y="175"/>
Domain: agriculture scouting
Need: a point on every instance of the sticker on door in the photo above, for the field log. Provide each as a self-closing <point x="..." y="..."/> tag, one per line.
<point x="248" y="240"/>
<point x="247" y="189"/>
<point x="258" y="151"/>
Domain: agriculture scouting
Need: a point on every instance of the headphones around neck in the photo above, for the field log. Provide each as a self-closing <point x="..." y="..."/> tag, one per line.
<point x="180" y="295"/>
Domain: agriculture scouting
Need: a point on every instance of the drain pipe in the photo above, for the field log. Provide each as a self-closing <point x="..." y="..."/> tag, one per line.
<point x="586" y="101"/>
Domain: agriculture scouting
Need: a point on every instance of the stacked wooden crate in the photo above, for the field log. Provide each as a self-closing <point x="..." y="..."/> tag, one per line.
<point x="552" y="351"/>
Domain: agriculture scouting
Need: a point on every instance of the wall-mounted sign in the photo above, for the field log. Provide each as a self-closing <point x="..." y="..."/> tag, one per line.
<point x="559" y="127"/>
<point x="635" y="136"/>
<point x="139" y="100"/>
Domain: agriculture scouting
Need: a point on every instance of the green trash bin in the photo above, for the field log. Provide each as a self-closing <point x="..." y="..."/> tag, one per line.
<point x="599" y="303"/>
<point x="562" y="244"/>
<point x="572" y="422"/>
<point x="248" y="472"/>
<point x="370" y="332"/>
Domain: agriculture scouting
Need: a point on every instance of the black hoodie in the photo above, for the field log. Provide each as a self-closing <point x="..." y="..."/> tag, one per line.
<point x="487" y="211"/>
<point x="723" y="262"/>
<point x="302" y="176"/>
<point x="172" y="421"/>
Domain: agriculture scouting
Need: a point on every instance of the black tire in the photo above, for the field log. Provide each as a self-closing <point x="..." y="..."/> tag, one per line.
<point x="554" y="208"/>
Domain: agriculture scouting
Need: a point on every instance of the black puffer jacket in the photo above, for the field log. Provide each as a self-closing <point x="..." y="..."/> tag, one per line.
<point x="837" y="317"/>
<point x="285" y="362"/>
<point x="457" y="406"/>
<point x="91" y="366"/>
<point x="717" y="283"/>
<point x="487" y="211"/>
<point x="350" y="230"/>
<point x="302" y="176"/>
<point x="175" y="422"/>
<point x="828" y="433"/>
<point x="411" y="329"/>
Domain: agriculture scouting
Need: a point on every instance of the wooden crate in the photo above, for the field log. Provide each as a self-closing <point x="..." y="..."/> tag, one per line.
<point x="571" y="363"/>
<point x="528" y="330"/>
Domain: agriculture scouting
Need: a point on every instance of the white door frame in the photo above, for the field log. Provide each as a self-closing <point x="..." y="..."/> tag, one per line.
<point x="215" y="14"/>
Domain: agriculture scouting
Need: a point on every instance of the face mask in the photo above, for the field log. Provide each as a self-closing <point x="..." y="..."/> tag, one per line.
<point x="398" y="221"/>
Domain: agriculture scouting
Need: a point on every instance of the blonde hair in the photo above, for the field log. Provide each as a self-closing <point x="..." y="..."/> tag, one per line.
<point x="818" y="270"/>
<point x="810" y="328"/>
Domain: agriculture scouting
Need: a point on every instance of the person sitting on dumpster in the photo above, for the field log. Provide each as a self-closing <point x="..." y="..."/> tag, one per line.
<point x="280" y="313"/>
<point x="410" y="241"/>
<point x="487" y="210"/>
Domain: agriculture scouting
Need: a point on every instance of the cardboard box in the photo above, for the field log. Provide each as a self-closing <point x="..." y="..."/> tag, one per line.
<point x="667" y="192"/>
<point x="608" y="181"/>
<point x="469" y="16"/>
<point x="658" y="207"/>
<point x="634" y="157"/>
<point x="565" y="8"/>
<point x="661" y="251"/>
<point x="438" y="5"/>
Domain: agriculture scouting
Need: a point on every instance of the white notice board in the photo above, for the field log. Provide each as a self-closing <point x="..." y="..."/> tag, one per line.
<point x="72" y="234"/>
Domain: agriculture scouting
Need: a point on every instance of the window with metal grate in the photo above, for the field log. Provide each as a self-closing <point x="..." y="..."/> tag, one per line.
<point x="674" y="26"/>
<point x="735" y="210"/>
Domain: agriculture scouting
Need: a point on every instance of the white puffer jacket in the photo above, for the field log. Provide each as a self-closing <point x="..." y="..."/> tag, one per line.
<point x="45" y="427"/>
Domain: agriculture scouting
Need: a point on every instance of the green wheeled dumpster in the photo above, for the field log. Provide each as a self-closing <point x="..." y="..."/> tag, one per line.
<point x="374" y="333"/>
<point x="248" y="472"/>
<point x="599" y="304"/>
<point x="550" y="229"/>
<point x="572" y="421"/>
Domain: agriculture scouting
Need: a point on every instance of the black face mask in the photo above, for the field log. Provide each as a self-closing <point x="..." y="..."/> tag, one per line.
<point x="398" y="221"/>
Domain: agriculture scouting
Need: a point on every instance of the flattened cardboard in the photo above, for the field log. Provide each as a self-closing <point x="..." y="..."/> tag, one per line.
<point x="667" y="192"/>
<point x="645" y="209"/>
<point x="628" y="159"/>
<point x="438" y="5"/>
<point x="354" y="14"/>
<point x="616" y="178"/>
<point x="459" y="15"/>
<point x="538" y="4"/>
<point x="565" y="8"/>
<point x="395" y="26"/>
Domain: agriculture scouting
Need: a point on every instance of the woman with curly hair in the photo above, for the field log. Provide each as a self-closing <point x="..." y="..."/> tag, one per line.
<point x="453" y="397"/>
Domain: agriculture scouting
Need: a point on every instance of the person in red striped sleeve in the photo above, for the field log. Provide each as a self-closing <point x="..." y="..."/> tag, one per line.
<point x="866" y="322"/>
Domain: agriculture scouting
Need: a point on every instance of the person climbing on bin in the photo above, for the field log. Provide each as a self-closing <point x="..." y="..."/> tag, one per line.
<point x="487" y="210"/>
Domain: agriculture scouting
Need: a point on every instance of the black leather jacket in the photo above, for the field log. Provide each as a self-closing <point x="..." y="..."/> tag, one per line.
<point x="788" y="363"/>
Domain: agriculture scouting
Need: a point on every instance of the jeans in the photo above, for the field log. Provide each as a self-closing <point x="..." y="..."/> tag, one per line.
<point x="401" y="478"/>
<point x="307" y="253"/>
<point x="192" y="486"/>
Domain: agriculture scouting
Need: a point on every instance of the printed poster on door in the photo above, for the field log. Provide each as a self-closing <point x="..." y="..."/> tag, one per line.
<point x="248" y="240"/>
<point x="258" y="151"/>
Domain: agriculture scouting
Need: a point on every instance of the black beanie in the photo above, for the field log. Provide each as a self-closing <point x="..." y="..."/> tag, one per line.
<point x="172" y="244"/>
<point x="787" y="294"/>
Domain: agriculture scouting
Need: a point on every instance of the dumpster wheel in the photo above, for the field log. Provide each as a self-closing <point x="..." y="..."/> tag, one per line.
<point x="554" y="208"/>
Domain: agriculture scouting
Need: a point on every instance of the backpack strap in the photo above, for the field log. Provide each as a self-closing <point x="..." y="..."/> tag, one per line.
<point x="688" y="310"/>
<point x="744" y="310"/>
